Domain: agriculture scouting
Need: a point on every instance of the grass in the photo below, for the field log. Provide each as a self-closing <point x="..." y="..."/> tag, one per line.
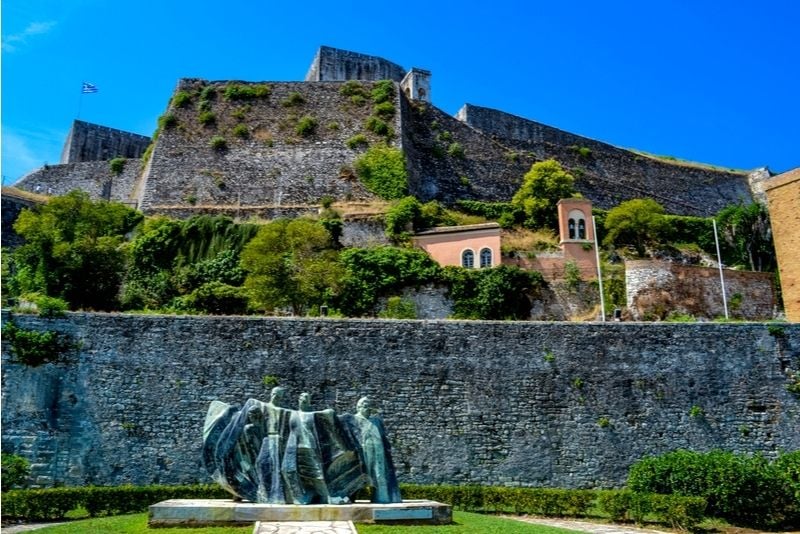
<point x="463" y="523"/>
<point x="133" y="524"/>
<point x="524" y="240"/>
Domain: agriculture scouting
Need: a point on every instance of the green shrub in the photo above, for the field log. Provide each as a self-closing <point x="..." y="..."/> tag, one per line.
<point x="399" y="308"/>
<point x="238" y="91"/>
<point x="218" y="143"/>
<point x="357" y="141"/>
<point x="49" y="307"/>
<point x="241" y="131"/>
<point x="293" y="99"/>
<point x="499" y="293"/>
<point x="34" y="347"/>
<point x="181" y="99"/>
<point x="15" y="471"/>
<point x="376" y="125"/>
<point x="401" y="217"/>
<point x="54" y="503"/>
<point x="382" y="170"/>
<point x="384" y="110"/>
<point x="117" y="165"/>
<point x="745" y="490"/>
<point x="306" y="126"/>
<point x="167" y="121"/>
<point x="353" y="87"/>
<point x="455" y="150"/>
<point x="216" y="298"/>
<point x="379" y="271"/>
<point x="572" y="275"/>
<point x="206" y="118"/>
<point x="383" y="91"/>
<point x="209" y="92"/>
<point x="490" y="210"/>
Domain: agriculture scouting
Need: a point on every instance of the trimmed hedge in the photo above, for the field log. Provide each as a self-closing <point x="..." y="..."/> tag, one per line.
<point x="745" y="490"/>
<point x="54" y="503"/>
<point x="675" y="510"/>
<point x="680" y="512"/>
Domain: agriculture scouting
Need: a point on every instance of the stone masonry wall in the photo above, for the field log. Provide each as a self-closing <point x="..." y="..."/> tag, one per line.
<point x="464" y="402"/>
<point x="274" y="166"/>
<point x="92" y="142"/>
<point x="609" y="175"/>
<point x="93" y="177"/>
<point x="333" y="64"/>
<point x="655" y="288"/>
<point x="12" y="205"/>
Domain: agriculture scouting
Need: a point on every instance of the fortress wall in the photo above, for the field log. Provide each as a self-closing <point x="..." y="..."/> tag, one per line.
<point x="656" y="287"/>
<point x="275" y="166"/>
<point x="12" y="205"/>
<point x="464" y="402"/>
<point x="488" y="170"/>
<point x="610" y="175"/>
<point x="92" y="142"/>
<point x="93" y="177"/>
<point x="333" y="64"/>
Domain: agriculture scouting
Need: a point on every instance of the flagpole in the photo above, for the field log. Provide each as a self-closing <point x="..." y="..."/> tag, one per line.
<point x="80" y="104"/>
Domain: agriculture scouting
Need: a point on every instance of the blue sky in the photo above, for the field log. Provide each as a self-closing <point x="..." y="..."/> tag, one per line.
<point x="710" y="81"/>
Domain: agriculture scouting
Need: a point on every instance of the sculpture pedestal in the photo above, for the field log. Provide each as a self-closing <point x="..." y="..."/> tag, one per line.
<point x="210" y="512"/>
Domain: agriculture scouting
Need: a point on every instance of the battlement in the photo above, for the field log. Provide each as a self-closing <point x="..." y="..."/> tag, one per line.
<point x="92" y="142"/>
<point x="333" y="64"/>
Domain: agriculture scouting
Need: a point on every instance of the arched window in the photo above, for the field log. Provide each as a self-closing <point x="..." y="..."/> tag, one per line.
<point x="581" y="229"/>
<point x="571" y="227"/>
<point x="468" y="259"/>
<point x="486" y="257"/>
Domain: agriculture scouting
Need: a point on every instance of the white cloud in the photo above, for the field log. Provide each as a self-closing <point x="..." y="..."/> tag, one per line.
<point x="25" y="151"/>
<point x="11" y="42"/>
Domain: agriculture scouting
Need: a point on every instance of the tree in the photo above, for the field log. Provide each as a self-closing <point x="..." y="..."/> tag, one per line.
<point x="291" y="263"/>
<point x="638" y="222"/>
<point x="542" y="187"/>
<point x="747" y="236"/>
<point x="74" y="250"/>
<point x="379" y="271"/>
<point x="499" y="293"/>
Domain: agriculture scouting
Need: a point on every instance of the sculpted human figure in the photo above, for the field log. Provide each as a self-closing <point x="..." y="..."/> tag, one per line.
<point x="265" y="452"/>
<point x="375" y="452"/>
<point x="270" y="479"/>
<point x="302" y="463"/>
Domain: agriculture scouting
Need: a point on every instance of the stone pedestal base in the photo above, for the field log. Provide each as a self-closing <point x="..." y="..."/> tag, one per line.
<point x="209" y="512"/>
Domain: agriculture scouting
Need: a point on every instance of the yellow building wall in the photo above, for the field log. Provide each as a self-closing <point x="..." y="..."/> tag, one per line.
<point x="783" y="200"/>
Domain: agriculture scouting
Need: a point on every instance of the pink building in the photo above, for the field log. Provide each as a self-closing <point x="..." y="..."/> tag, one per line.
<point x="478" y="245"/>
<point x="471" y="246"/>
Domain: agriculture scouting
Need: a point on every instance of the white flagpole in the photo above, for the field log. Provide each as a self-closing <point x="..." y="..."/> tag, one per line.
<point x="599" y="272"/>
<point x="719" y="263"/>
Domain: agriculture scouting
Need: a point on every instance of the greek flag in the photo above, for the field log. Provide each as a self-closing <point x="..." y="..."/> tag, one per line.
<point x="88" y="88"/>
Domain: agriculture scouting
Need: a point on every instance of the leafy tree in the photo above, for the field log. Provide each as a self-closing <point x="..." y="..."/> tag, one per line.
<point x="379" y="271"/>
<point x="382" y="170"/>
<point x="291" y="263"/>
<point x="409" y="214"/>
<point x="73" y="250"/>
<point x="172" y="258"/>
<point x="498" y="293"/>
<point x="542" y="187"/>
<point x="747" y="236"/>
<point x="636" y="222"/>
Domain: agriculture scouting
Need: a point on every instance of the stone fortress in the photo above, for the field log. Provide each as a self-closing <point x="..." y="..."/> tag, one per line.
<point x="268" y="169"/>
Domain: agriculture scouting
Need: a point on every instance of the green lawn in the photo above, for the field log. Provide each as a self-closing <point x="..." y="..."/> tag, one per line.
<point x="465" y="523"/>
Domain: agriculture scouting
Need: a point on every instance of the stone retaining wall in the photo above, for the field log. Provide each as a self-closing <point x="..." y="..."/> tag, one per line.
<point x="464" y="402"/>
<point x="655" y="288"/>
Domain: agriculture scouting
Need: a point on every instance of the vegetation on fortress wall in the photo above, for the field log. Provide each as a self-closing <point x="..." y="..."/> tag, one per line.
<point x="104" y="256"/>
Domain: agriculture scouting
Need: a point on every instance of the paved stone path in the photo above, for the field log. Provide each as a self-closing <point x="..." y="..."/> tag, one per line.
<point x="586" y="526"/>
<point x="305" y="527"/>
<point x="14" y="529"/>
